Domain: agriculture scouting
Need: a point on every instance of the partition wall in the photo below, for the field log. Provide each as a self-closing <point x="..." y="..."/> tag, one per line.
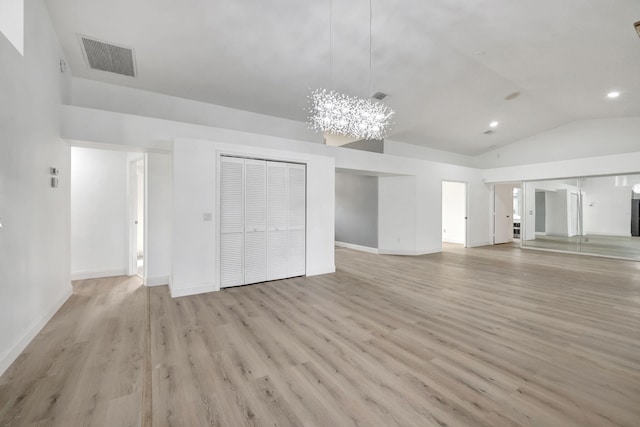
<point x="596" y="215"/>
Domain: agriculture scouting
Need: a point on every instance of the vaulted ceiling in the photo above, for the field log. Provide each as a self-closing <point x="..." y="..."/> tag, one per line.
<point x="446" y="64"/>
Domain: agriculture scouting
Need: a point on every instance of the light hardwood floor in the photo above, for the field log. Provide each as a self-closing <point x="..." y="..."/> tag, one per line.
<point x="492" y="336"/>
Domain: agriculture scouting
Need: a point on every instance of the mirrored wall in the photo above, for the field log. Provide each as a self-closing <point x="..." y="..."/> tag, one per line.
<point x="594" y="215"/>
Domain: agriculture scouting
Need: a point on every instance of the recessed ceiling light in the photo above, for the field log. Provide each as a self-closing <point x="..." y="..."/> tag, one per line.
<point x="493" y="124"/>
<point x="613" y="94"/>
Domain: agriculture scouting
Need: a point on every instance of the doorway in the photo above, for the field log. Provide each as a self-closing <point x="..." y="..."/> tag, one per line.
<point x="506" y="213"/>
<point x="454" y="212"/>
<point x="107" y="213"/>
<point x="137" y="215"/>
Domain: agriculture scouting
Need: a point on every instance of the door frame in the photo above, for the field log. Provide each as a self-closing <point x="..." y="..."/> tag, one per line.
<point x="519" y="184"/>
<point x="466" y="208"/>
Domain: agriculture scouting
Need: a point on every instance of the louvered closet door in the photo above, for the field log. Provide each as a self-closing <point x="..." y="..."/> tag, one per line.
<point x="231" y="222"/>
<point x="277" y="221"/>
<point x="297" y="219"/>
<point x="255" y="241"/>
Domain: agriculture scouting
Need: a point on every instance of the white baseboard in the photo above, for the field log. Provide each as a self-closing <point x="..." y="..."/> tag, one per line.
<point x="203" y="289"/>
<point x="157" y="281"/>
<point x="477" y="244"/>
<point x="318" y="271"/>
<point x="409" y="252"/>
<point x="12" y="354"/>
<point x="83" y="275"/>
<point x="454" y="241"/>
<point x="590" y="233"/>
<point x="357" y="247"/>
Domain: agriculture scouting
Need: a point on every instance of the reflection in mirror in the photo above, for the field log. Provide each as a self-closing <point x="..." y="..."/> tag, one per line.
<point x="609" y="218"/>
<point x="552" y="215"/>
<point x="595" y="215"/>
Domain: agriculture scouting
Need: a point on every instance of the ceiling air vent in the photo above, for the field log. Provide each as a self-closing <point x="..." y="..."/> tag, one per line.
<point x="108" y="57"/>
<point x="379" y="96"/>
<point x="489" y="132"/>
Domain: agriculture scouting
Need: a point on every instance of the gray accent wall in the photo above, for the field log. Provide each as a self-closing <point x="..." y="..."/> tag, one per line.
<point x="541" y="212"/>
<point x="374" y="145"/>
<point x="357" y="209"/>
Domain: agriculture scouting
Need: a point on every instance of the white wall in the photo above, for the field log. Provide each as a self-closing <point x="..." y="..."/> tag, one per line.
<point x="158" y="219"/>
<point x="580" y="139"/>
<point x="603" y="165"/>
<point x="193" y="268"/>
<point x="397" y="148"/>
<point x="195" y="240"/>
<point x="156" y="134"/>
<point x="557" y="214"/>
<point x="109" y="97"/>
<point x="34" y="239"/>
<point x="397" y="210"/>
<point x="454" y="202"/>
<point x="99" y="213"/>
<point x="606" y="208"/>
<point x="410" y="207"/>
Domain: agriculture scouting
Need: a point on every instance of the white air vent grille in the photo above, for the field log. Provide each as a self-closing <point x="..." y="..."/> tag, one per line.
<point x="108" y="57"/>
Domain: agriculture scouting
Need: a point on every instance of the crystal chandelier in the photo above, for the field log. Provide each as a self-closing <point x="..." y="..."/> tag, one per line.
<point x="334" y="112"/>
<point x="342" y="114"/>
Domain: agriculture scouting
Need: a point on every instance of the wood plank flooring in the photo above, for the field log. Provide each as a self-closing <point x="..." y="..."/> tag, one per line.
<point x="492" y="336"/>
<point x="85" y="367"/>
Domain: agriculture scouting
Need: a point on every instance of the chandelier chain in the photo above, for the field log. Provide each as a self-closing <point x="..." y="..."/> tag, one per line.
<point x="331" y="43"/>
<point x="370" y="48"/>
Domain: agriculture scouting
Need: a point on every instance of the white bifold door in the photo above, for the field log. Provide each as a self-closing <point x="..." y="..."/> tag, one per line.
<point x="262" y="220"/>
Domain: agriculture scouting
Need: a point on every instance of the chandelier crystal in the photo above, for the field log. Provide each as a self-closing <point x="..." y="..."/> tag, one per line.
<point x="338" y="113"/>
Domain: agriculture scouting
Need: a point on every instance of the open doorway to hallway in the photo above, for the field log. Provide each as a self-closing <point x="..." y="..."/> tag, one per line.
<point x="454" y="212"/>
<point x="137" y="216"/>
<point x="107" y="213"/>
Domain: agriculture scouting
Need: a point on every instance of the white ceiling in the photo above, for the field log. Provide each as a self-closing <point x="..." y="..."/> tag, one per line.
<point x="447" y="64"/>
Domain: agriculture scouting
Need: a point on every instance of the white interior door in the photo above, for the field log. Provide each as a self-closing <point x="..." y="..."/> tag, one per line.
<point x="503" y="214"/>
<point x="297" y="219"/>
<point x="454" y="212"/>
<point x="231" y="222"/>
<point x="255" y="215"/>
<point x="277" y="221"/>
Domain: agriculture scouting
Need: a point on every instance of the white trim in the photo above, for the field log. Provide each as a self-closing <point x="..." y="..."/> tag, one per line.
<point x="356" y="247"/>
<point x="591" y="233"/>
<point x="476" y="245"/>
<point x="319" y="271"/>
<point x="94" y="274"/>
<point x="183" y="292"/>
<point x="132" y="190"/>
<point x="455" y="241"/>
<point x="560" y="251"/>
<point x="156" y="281"/>
<point x="409" y="252"/>
<point x="12" y="354"/>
